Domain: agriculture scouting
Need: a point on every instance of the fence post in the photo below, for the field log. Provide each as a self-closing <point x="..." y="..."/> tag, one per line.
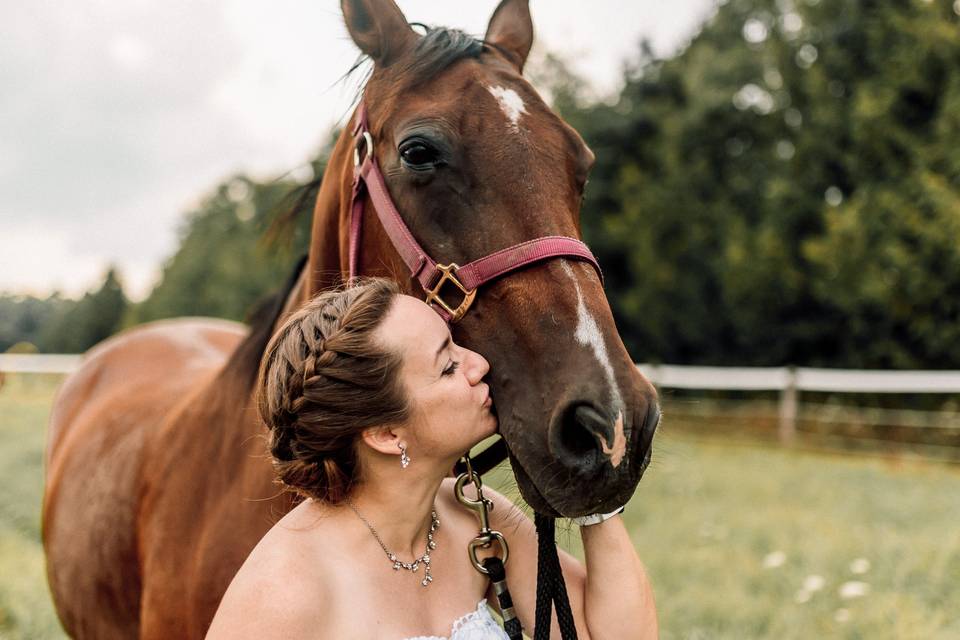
<point x="787" y="427"/>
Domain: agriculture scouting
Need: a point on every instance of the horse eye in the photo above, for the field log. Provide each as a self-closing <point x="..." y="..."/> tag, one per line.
<point x="418" y="155"/>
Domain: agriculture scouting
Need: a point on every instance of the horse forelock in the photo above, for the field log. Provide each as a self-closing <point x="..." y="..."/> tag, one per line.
<point x="437" y="49"/>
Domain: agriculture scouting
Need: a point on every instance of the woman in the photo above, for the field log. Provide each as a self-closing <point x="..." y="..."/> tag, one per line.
<point x="370" y="403"/>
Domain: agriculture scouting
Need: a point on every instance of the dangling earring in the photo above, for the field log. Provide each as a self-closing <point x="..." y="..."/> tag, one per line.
<point x="404" y="458"/>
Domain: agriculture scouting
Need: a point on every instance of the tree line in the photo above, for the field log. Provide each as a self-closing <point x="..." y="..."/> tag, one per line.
<point x="785" y="190"/>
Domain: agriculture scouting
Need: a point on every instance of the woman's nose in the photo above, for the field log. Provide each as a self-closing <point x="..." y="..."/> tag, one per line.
<point x="479" y="367"/>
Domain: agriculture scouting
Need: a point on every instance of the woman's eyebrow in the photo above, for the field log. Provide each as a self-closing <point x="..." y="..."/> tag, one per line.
<point x="446" y="342"/>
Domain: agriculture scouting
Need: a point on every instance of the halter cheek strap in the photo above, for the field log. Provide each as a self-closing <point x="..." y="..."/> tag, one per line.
<point x="368" y="179"/>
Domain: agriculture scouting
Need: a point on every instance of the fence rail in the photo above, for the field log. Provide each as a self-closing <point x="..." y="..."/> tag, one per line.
<point x="801" y="379"/>
<point x="38" y="363"/>
<point x="790" y="382"/>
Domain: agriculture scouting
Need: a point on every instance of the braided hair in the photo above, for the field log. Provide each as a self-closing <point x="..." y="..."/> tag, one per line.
<point x="323" y="380"/>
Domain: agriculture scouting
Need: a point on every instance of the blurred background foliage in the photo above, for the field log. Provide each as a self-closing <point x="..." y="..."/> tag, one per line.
<point x="785" y="190"/>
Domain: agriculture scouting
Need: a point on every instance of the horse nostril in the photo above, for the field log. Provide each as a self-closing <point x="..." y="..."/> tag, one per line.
<point x="577" y="438"/>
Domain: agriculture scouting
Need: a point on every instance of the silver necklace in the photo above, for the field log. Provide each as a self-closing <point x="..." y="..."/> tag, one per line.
<point x="397" y="563"/>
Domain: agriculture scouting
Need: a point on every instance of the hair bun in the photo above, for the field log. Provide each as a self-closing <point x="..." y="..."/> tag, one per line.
<point x="280" y="446"/>
<point x="324" y="378"/>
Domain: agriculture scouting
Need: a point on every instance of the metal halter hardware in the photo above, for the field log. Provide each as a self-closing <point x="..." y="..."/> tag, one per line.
<point x="449" y="275"/>
<point x="368" y="180"/>
<point x="368" y="140"/>
<point x="482" y="506"/>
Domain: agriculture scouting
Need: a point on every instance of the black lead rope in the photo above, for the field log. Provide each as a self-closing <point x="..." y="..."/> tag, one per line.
<point x="498" y="578"/>
<point x="551" y="588"/>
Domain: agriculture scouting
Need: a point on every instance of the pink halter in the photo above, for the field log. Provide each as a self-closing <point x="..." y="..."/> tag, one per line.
<point x="431" y="275"/>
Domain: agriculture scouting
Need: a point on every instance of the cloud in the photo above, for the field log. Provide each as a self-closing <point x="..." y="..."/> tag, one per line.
<point x="32" y="258"/>
<point x="86" y="100"/>
<point x="116" y="116"/>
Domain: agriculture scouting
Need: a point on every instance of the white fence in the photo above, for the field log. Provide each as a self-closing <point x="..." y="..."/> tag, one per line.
<point x="38" y="363"/>
<point x="801" y="379"/>
<point x="788" y="381"/>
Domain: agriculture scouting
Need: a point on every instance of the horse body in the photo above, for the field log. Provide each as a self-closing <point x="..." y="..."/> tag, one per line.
<point x="158" y="481"/>
<point x="105" y="426"/>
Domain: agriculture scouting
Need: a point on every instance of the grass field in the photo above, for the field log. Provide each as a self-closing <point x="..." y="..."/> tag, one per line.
<point x="741" y="541"/>
<point x="25" y="607"/>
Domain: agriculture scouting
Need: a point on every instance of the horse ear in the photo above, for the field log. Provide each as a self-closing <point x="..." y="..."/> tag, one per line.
<point x="378" y="28"/>
<point x="511" y="30"/>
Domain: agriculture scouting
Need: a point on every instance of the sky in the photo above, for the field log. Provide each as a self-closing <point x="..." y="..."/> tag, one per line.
<point x="117" y="116"/>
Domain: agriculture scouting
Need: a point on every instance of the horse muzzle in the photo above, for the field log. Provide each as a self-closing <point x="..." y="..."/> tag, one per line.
<point x="597" y="461"/>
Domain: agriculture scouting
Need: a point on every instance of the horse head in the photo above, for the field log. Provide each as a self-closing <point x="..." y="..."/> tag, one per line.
<point x="475" y="161"/>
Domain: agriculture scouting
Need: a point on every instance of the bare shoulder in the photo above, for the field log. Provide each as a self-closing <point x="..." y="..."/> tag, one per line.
<point x="279" y="592"/>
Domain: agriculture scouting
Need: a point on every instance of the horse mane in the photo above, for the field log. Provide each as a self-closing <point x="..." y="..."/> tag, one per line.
<point x="243" y="364"/>
<point x="298" y="200"/>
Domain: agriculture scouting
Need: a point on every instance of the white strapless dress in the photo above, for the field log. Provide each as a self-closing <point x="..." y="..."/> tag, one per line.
<point x="476" y="625"/>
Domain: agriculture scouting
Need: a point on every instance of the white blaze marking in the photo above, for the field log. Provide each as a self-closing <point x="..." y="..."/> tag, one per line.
<point x="619" y="448"/>
<point x="511" y="104"/>
<point x="588" y="334"/>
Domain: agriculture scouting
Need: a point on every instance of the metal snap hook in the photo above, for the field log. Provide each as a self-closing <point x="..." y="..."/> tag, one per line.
<point x="481" y="506"/>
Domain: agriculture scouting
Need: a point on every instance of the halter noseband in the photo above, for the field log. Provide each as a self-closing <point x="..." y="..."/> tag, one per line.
<point x="431" y="275"/>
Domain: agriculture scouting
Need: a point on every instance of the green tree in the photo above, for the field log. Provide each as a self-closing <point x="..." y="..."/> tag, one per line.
<point x="224" y="263"/>
<point x="95" y="317"/>
<point x="22" y="317"/>
<point x="785" y="190"/>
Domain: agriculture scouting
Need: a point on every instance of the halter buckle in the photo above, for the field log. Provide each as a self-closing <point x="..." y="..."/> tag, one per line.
<point x="449" y="275"/>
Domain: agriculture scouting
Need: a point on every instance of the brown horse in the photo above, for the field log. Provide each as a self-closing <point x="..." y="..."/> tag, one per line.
<point x="158" y="484"/>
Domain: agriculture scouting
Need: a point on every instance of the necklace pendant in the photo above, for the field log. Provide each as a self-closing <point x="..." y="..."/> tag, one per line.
<point x="392" y="557"/>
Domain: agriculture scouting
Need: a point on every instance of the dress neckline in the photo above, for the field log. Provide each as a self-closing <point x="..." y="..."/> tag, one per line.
<point x="460" y="622"/>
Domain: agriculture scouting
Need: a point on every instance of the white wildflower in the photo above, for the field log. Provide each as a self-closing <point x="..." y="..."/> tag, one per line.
<point x="774" y="559"/>
<point x="854" y="589"/>
<point x="813" y="583"/>
<point x="860" y="566"/>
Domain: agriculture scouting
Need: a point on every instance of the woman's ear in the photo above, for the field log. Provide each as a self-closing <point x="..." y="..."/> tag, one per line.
<point x="386" y="440"/>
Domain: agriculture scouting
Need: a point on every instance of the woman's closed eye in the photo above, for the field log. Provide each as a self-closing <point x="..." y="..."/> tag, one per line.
<point x="453" y="366"/>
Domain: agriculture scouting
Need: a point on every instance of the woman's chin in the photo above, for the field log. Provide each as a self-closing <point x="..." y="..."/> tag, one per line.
<point x="494" y="426"/>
